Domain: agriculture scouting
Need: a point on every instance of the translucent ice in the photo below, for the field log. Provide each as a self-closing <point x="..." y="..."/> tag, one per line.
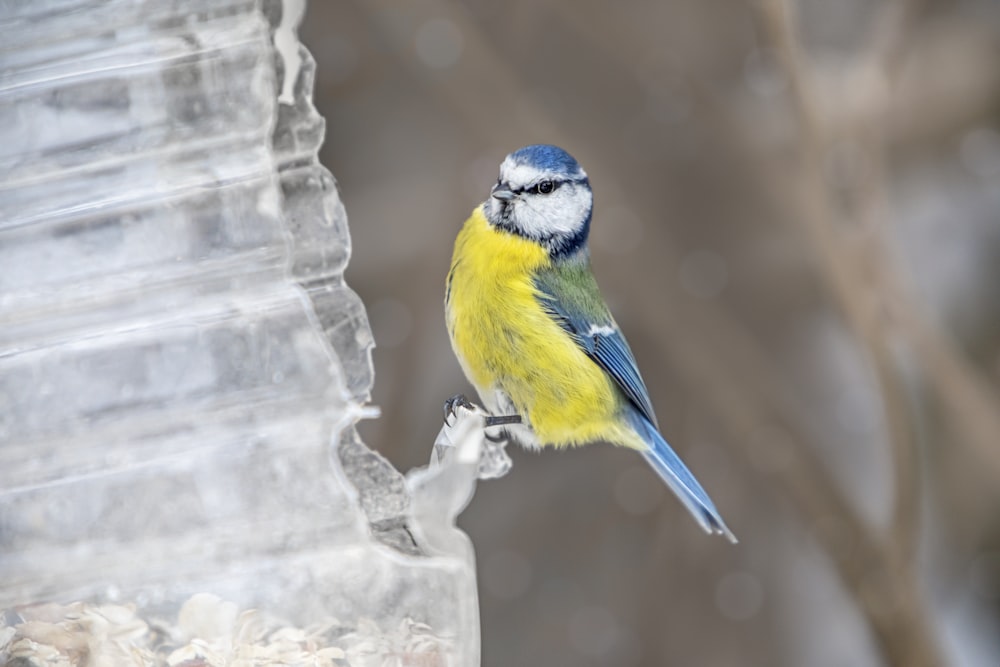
<point x="182" y="364"/>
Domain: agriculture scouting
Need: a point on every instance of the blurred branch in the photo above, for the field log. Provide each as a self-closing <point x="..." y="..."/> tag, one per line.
<point x="852" y="252"/>
<point x="918" y="85"/>
<point x="971" y="402"/>
<point x="867" y="285"/>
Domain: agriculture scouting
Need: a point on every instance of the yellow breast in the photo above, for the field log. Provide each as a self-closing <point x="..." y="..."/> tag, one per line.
<point x="505" y="340"/>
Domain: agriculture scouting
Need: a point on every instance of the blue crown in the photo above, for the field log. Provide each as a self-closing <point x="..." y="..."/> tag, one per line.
<point x="549" y="158"/>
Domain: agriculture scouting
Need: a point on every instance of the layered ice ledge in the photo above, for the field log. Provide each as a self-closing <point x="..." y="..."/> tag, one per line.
<point x="179" y="356"/>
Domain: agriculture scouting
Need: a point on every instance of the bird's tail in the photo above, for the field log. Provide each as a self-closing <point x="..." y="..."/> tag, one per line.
<point x="673" y="471"/>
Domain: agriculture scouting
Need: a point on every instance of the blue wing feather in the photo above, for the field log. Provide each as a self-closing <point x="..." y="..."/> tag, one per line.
<point x="614" y="356"/>
<point x="672" y="470"/>
<point x="606" y="345"/>
<point x="592" y="328"/>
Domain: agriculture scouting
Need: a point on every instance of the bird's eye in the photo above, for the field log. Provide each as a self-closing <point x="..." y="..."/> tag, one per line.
<point x="545" y="187"/>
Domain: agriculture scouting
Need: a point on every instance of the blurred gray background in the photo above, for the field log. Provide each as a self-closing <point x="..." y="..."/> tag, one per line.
<point x="797" y="225"/>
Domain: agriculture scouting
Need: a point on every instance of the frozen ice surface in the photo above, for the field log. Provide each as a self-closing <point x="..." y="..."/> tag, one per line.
<point x="446" y="486"/>
<point x="182" y="364"/>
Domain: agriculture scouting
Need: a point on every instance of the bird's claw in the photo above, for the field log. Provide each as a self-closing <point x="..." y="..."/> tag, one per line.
<point x="460" y="401"/>
<point x="456" y="401"/>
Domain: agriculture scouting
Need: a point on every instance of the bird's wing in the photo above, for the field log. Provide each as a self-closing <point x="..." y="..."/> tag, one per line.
<point x="570" y="295"/>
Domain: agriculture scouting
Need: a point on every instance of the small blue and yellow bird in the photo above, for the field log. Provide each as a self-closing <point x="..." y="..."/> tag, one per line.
<point x="532" y="332"/>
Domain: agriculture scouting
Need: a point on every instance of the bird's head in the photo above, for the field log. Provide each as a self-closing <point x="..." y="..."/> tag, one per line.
<point x="543" y="195"/>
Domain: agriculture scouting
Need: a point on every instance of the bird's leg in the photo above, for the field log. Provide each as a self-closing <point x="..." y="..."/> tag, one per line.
<point x="502" y="420"/>
<point x="503" y="435"/>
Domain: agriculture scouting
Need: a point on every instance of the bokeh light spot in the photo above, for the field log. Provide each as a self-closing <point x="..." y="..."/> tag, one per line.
<point x="439" y="43"/>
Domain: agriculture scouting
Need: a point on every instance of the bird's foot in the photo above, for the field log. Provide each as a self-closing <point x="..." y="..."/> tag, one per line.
<point x="453" y="403"/>
<point x="460" y="401"/>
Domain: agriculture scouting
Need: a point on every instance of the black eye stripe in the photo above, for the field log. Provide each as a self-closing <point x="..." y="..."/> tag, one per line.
<point x="534" y="189"/>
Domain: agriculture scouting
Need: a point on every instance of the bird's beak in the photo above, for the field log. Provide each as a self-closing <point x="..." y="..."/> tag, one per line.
<point x="502" y="192"/>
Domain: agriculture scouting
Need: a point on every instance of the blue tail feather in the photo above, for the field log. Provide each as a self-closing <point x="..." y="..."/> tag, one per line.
<point x="680" y="480"/>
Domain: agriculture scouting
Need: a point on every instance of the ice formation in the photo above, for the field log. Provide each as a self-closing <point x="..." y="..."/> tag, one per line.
<point x="181" y="363"/>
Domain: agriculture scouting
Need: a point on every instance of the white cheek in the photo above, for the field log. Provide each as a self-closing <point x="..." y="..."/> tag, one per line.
<point x="562" y="212"/>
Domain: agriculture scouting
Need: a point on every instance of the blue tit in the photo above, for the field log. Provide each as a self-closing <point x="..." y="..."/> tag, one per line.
<point x="532" y="332"/>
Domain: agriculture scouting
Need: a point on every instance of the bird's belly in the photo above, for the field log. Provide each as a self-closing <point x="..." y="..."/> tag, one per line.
<point x="511" y="349"/>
